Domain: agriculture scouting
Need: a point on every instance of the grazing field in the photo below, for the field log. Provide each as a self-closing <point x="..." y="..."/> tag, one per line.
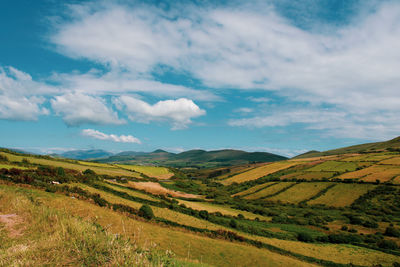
<point x="210" y="207"/>
<point x="74" y="166"/>
<point x="269" y="191"/>
<point x="254" y="189"/>
<point x="309" y="175"/>
<point x="382" y="173"/>
<point x="391" y="161"/>
<point x="385" y="173"/>
<point x="299" y="192"/>
<point x="342" y="195"/>
<point x="259" y="172"/>
<point x="96" y="164"/>
<point x="158" y="212"/>
<point x="334" y="166"/>
<point x="35" y="234"/>
<point x="185" y="245"/>
<point x="151" y="171"/>
<point x="344" y="254"/>
<point x="157" y="189"/>
<point x="10" y="166"/>
<point x="130" y="191"/>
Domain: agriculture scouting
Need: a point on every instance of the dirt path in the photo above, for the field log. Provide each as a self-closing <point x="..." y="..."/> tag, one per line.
<point x="11" y="221"/>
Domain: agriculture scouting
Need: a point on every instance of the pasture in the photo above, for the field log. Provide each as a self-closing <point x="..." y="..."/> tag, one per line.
<point x="112" y="171"/>
<point x="259" y="172"/>
<point x="269" y="190"/>
<point x="334" y="166"/>
<point x="150" y="171"/>
<point x="342" y="195"/>
<point x="254" y="189"/>
<point x="299" y="192"/>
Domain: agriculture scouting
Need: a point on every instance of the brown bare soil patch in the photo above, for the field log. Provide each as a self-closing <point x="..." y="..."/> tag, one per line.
<point x="157" y="189"/>
<point x="11" y="222"/>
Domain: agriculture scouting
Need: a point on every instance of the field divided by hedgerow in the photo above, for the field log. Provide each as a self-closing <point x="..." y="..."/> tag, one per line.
<point x="342" y="195"/>
<point x="269" y="190"/>
<point x="151" y="171"/>
<point x="112" y="171"/>
<point x="259" y="172"/>
<point x="300" y="192"/>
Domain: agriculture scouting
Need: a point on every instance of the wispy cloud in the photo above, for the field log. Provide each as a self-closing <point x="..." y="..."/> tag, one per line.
<point x="110" y="137"/>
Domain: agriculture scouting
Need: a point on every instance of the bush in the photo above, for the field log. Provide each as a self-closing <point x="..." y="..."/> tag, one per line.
<point x="344" y="228"/>
<point x="203" y="214"/>
<point x="305" y="237"/>
<point x="391" y="231"/>
<point x="233" y="223"/>
<point x="89" y="172"/>
<point x="388" y="244"/>
<point x="146" y="212"/>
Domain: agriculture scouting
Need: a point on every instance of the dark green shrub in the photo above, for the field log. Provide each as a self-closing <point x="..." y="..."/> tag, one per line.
<point x="305" y="237"/>
<point x="89" y="172"/>
<point x="233" y="223"/>
<point x="387" y="244"/>
<point x="391" y="231"/>
<point x="146" y="212"/>
<point x="344" y="228"/>
<point x="203" y="214"/>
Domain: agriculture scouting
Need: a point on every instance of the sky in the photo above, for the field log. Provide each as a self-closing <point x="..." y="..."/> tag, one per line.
<point x="283" y="76"/>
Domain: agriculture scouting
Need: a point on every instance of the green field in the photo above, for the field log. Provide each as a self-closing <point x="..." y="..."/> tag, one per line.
<point x="258" y="172"/>
<point x="342" y="195"/>
<point x="253" y="189"/>
<point x="151" y="171"/>
<point x="10" y="166"/>
<point x="269" y="191"/>
<point x="334" y="166"/>
<point x="109" y="170"/>
<point x="299" y="192"/>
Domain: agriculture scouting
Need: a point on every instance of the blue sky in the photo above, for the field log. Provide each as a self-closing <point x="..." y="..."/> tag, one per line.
<point x="279" y="76"/>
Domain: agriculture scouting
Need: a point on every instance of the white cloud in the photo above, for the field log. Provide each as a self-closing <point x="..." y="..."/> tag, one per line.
<point x="77" y="109"/>
<point x="179" y="112"/>
<point x="110" y="137"/>
<point x="18" y="100"/>
<point x="353" y="68"/>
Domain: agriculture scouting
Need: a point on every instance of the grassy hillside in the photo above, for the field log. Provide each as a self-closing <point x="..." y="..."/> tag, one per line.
<point x="277" y="214"/>
<point x="391" y="145"/>
<point x="194" y="158"/>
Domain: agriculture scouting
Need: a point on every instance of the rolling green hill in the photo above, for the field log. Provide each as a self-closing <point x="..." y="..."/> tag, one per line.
<point x="391" y="145"/>
<point x="194" y="158"/>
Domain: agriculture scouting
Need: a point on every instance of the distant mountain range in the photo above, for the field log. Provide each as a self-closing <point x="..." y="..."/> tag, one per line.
<point x="191" y="158"/>
<point x="391" y="145"/>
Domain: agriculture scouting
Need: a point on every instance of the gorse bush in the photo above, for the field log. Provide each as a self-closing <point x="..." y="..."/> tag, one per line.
<point x="146" y="212"/>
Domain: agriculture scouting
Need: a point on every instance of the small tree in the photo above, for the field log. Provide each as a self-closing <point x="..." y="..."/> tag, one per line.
<point x="305" y="237"/>
<point x="146" y="212"/>
<point x="391" y="231"/>
<point x="60" y="171"/>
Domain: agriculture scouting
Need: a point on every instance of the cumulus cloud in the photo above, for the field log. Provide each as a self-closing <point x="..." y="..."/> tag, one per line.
<point x="18" y="100"/>
<point x="179" y="112"/>
<point x="110" y="137"/>
<point x="352" y="68"/>
<point x="77" y="109"/>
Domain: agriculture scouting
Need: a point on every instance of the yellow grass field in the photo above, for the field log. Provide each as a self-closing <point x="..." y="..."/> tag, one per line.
<point x="391" y="161"/>
<point x="132" y="192"/>
<point x="300" y="192"/>
<point x="259" y="172"/>
<point x="112" y="171"/>
<point x="253" y="189"/>
<point x="151" y="171"/>
<point x="268" y="191"/>
<point x="344" y="254"/>
<point x="184" y="244"/>
<point x="157" y="189"/>
<point x="342" y="195"/>
<point x="219" y="208"/>
<point x="158" y="212"/>
<point x="382" y="173"/>
<point x="385" y="173"/>
<point x="309" y="175"/>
